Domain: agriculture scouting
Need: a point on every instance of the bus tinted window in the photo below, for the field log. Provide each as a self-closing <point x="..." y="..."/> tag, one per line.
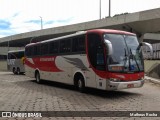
<point x="78" y="44"/>
<point x="44" y="49"/>
<point x="74" y="44"/>
<point x="29" y="51"/>
<point x="19" y="54"/>
<point x="81" y="43"/>
<point x="65" y="46"/>
<point x="15" y="55"/>
<point x="37" y="49"/>
<point x="53" y="47"/>
<point x="11" y="56"/>
<point x="26" y="51"/>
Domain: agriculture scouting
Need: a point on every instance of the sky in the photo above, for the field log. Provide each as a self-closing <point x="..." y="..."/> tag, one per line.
<point x="20" y="16"/>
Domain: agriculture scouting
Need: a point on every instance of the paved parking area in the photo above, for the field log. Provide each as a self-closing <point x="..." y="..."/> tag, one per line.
<point x="20" y="93"/>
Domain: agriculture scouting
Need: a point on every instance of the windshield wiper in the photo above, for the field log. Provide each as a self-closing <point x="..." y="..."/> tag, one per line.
<point x="133" y="57"/>
<point x="125" y="59"/>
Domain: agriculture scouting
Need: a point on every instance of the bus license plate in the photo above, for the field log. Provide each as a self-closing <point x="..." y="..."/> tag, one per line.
<point x="130" y="85"/>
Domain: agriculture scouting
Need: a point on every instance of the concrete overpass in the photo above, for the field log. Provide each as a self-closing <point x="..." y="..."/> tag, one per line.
<point x="139" y="23"/>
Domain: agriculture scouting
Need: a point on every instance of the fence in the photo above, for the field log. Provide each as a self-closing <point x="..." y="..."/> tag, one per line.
<point x="156" y="52"/>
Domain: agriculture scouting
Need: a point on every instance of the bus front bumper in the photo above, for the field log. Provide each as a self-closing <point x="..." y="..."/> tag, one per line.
<point x="124" y="85"/>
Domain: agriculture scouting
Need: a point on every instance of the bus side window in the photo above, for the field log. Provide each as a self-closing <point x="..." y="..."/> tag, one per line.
<point x="78" y="44"/>
<point x="53" y="47"/>
<point x="75" y="44"/>
<point x="44" y="49"/>
<point x="29" y="51"/>
<point x="37" y="50"/>
<point x="19" y="55"/>
<point x="82" y="43"/>
<point x="11" y="56"/>
<point x="95" y="51"/>
<point x="65" y="46"/>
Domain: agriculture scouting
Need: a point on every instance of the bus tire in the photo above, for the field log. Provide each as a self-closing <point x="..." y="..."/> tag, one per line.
<point x="14" y="71"/>
<point x="18" y="71"/>
<point x="38" y="78"/>
<point x="79" y="83"/>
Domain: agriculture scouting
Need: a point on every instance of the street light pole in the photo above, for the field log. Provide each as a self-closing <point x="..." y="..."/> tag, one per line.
<point x="99" y="9"/>
<point x="41" y="22"/>
<point x="109" y="8"/>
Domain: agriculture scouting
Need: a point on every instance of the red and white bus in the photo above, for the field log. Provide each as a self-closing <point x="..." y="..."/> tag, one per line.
<point x="101" y="58"/>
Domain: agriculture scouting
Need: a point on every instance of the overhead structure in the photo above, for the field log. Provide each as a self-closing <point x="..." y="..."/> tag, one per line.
<point x="139" y="23"/>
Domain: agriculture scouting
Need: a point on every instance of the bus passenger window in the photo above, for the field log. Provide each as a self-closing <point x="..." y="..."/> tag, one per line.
<point x="29" y="51"/>
<point x="82" y="43"/>
<point x="37" y="50"/>
<point x="78" y="44"/>
<point x="65" y="46"/>
<point x="75" y="44"/>
<point x="53" y="47"/>
<point x="44" y="49"/>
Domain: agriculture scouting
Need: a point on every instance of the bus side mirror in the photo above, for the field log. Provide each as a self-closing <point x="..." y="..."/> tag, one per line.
<point x="148" y="45"/>
<point x="108" y="45"/>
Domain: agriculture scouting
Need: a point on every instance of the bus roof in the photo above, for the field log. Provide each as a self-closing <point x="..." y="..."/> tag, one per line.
<point x="101" y="31"/>
<point x="110" y="31"/>
<point x="62" y="37"/>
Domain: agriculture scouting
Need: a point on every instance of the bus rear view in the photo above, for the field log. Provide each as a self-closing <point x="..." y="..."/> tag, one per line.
<point x="15" y="61"/>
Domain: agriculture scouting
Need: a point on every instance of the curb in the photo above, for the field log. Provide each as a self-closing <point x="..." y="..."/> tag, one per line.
<point x="153" y="80"/>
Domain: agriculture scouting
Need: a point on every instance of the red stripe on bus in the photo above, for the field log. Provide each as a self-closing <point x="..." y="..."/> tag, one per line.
<point x="43" y="64"/>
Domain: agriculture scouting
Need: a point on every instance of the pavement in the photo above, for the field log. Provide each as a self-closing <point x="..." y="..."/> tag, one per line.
<point x="19" y="93"/>
<point x="153" y="80"/>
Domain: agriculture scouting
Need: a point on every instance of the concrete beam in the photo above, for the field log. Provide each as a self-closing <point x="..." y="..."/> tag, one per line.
<point x="4" y="50"/>
<point x="140" y="23"/>
<point x="154" y="36"/>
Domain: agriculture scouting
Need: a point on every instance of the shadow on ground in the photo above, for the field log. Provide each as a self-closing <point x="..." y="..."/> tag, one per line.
<point x="71" y="89"/>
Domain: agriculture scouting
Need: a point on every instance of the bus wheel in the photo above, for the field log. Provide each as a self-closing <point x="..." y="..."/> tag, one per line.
<point x="38" y="79"/>
<point x="80" y="84"/>
<point x="14" y="71"/>
<point x="18" y="71"/>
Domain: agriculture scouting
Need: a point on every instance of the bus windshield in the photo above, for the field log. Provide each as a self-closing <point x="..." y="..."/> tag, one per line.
<point x="126" y="56"/>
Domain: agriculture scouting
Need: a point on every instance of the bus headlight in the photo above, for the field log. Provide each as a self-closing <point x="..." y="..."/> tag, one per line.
<point x="115" y="80"/>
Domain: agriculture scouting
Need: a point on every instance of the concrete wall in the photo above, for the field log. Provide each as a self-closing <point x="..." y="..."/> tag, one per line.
<point x="152" y="68"/>
<point x="4" y="50"/>
<point x="3" y="65"/>
<point x="139" y="22"/>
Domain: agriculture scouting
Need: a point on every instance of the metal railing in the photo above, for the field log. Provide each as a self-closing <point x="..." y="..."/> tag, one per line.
<point x="156" y="52"/>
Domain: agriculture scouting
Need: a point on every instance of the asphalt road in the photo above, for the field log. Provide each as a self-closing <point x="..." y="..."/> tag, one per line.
<point x="21" y="93"/>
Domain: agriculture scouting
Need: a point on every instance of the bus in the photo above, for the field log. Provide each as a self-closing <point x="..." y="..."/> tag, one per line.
<point x="15" y="61"/>
<point x="100" y="58"/>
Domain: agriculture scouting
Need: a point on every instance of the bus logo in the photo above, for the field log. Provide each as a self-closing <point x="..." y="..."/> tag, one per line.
<point x="6" y="114"/>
